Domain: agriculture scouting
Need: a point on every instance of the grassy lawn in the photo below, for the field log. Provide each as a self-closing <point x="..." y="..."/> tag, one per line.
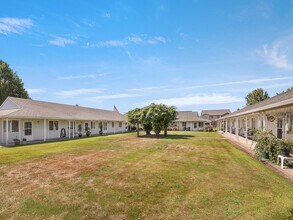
<point x="186" y="175"/>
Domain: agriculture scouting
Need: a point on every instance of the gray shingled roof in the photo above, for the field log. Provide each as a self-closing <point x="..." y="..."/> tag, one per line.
<point x="186" y="116"/>
<point x="47" y="110"/>
<point x="278" y="100"/>
<point x="216" y="112"/>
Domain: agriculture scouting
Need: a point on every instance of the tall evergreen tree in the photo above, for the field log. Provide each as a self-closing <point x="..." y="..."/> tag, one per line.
<point x="10" y="83"/>
<point x="256" y="96"/>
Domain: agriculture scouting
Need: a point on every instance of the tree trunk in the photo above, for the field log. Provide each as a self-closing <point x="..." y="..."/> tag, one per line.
<point x="137" y="129"/>
<point x="148" y="132"/>
<point x="165" y="132"/>
<point x="157" y="134"/>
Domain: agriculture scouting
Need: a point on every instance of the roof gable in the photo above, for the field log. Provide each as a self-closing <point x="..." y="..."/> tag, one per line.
<point x="8" y="104"/>
<point x="216" y="112"/>
<point x="188" y="116"/>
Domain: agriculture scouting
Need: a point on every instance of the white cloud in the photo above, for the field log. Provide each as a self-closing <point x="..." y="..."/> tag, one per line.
<point x="36" y="91"/>
<point x="134" y="39"/>
<point x="109" y="43"/>
<point x="77" y="92"/>
<point x="106" y="15"/>
<point x="205" y="99"/>
<point x="252" y="81"/>
<point x="143" y="39"/>
<point x="90" y="76"/>
<point x="148" y="89"/>
<point x="279" y="54"/>
<point x="10" y="25"/>
<point x="113" y="96"/>
<point x="61" y="41"/>
<point x="274" y="56"/>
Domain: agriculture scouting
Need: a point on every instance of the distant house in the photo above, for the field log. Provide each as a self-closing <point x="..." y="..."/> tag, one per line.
<point x="189" y="121"/>
<point x="213" y="115"/>
<point x="29" y="120"/>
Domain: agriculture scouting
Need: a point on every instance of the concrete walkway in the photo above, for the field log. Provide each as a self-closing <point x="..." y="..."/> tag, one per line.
<point x="248" y="148"/>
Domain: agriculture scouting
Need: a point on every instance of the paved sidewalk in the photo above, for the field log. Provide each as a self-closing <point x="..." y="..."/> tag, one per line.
<point x="287" y="173"/>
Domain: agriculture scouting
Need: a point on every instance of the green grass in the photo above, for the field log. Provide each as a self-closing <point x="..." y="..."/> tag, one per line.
<point x="185" y="175"/>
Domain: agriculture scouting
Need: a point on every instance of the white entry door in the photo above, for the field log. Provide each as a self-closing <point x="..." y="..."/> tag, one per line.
<point x="28" y="130"/>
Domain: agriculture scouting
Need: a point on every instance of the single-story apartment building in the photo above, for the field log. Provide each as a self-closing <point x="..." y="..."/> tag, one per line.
<point x="275" y="114"/>
<point x="30" y="120"/>
<point x="189" y="121"/>
<point x="214" y="115"/>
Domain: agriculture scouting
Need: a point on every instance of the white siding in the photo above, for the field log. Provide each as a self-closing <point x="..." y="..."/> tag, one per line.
<point x="38" y="130"/>
<point x="180" y="127"/>
<point x="1" y="132"/>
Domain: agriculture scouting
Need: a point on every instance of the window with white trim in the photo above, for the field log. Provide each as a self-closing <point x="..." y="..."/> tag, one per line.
<point x="120" y="124"/>
<point x="53" y="125"/>
<point x="28" y="128"/>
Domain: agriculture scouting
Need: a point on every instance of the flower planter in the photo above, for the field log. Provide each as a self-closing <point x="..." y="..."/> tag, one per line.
<point x="265" y="155"/>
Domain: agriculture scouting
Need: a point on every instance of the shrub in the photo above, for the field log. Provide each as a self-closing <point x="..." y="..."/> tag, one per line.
<point x="268" y="143"/>
<point x="287" y="147"/>
<point x="209" y="128"/>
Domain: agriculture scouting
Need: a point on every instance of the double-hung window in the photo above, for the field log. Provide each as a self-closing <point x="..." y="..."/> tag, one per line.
<point x="53" y="125"/>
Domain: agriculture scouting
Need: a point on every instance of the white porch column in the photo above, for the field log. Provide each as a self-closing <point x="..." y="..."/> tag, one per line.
<point x="20" y="132"/>
<point x="69" y="129"/>
<point x="6" y="132"/>
<point x="45" y="129"/>
<point x="230" y="126"/>
<point x="73" y="133"/>
<point x="2" y="129"/>
<point x="114" y="127"/>
<point x="226" y="128"/>
<point x="237" y="128"/>
<point x="246" y="130"/>
<point x="264" y="122"/>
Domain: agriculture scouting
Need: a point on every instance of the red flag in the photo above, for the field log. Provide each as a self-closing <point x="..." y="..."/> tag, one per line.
<point x="115" y="109"/>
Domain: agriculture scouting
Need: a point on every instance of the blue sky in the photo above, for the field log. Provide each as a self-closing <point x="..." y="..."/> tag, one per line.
<point x="195" y="55"/>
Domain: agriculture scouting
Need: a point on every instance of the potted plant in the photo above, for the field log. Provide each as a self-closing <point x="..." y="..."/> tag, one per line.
<point x="16" y="141"/>
<point x="87" y="131"/>
<point x="79" y="129"/>
<point x="263" y="139"/>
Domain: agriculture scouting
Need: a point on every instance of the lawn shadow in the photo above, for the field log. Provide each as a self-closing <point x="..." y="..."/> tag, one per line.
<point x="169" y="136"/>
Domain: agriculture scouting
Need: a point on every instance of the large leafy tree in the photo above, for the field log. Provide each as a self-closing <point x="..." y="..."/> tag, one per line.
<point x="146" y="120"/>
<point x="156" y="113"/>
<point x="153" y="117"/>
<point x="133" y="118"/>
<point x="169" y="115"/>
<point x="256" y="96"/>
<point x="10" y="83"/>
